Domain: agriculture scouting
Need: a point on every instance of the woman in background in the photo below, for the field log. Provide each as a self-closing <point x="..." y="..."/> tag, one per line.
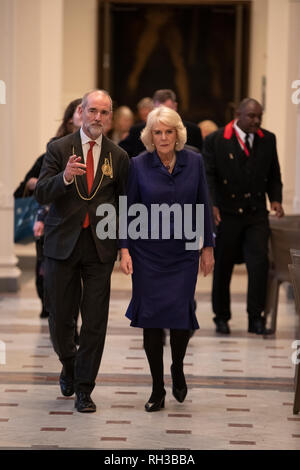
<point x="122" y="121"/>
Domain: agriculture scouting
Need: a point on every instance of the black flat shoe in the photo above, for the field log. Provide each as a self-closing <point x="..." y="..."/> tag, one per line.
<point x="222" y="327"/>
<point x="44" y="314"/>
<point x="84" y="403"/>
<point x="178" y="393"/>
<point x="66" y="385"/>
<point x="155" y="405"/>
<point x="258" y="327"/>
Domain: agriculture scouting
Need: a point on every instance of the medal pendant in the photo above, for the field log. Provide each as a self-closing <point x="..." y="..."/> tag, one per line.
<point x="106" y="168"/>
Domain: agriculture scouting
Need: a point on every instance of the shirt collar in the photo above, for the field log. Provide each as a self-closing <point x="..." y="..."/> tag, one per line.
<point x="241" y="133"/>
<point x="85" y="139"/>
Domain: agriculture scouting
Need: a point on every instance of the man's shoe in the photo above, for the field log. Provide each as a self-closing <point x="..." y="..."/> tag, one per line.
<point x="222" y="327"/>
<point x="257" y="326"/>
<point x="84" y="403"/>
<point x="44" y="314"/>
<point x="66" y="385"/>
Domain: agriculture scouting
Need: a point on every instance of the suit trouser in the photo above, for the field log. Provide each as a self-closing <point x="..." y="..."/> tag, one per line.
<point x="39" y="274"/>
<point x="249" y="232"/>
<point x="80" y="279"/>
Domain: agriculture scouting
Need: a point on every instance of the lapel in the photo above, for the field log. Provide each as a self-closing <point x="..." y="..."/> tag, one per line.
<point x="105" y="149"/>
<point x="234" y="155"/>
<point x="156" y="163"/>
<point x="77" y="149"/>
<point x="257" y="155"/>
<point x="181" y="161"/>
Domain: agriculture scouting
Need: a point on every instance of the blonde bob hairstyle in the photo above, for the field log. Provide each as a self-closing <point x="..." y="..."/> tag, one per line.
<point x="170" y="118"/>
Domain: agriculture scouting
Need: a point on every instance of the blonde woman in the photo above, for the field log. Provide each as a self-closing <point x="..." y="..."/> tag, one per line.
<point x="164" y="272"/>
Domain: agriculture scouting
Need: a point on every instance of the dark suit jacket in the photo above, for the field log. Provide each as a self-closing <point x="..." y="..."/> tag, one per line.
<point x="238" y="182"/>
<point x="133" y="144"/>
<point x="67" y="211"/>
<point x="32" y="173"/>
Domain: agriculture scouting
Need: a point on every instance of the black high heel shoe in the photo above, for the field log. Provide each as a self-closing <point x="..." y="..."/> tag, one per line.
<point x="179" y="393"/>
<point x="155" y="405"/>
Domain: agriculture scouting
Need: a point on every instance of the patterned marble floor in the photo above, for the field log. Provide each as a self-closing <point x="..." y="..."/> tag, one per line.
<point x="240" y="386"/>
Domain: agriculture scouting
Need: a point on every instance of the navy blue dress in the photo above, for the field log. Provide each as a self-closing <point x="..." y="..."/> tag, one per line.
<point x="164" y="271"/>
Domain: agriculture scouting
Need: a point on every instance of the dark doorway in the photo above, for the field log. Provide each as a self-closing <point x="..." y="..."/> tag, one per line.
<point x="191" y="49"/>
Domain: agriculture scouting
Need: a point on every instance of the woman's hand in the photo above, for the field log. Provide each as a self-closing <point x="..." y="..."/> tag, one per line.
<point x="207" y="260"/>
<point x="31" y="184"/>
<point x="126" y="261"/>
<point x="38" y="228"/>
<point x="216" y="215"/>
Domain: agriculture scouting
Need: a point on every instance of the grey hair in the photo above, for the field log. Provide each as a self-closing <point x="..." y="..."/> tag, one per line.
<point x="145" y="103"/>
<point x="161" y="96"/>
<point x="166" y="116"/>
<point x="86" y="95"/>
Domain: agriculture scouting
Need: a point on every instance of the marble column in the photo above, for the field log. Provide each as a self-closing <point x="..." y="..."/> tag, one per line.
<point x="295" y="97"/>
<point x="282" y="68"/>
<point x="30" y="104"/>
<point x="9" y="272"/>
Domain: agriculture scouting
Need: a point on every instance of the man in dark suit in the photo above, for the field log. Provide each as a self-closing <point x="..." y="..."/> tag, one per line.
<point x="80" y="172"/>
<point x="133" y="144"/>
<point x="242" y="167"/>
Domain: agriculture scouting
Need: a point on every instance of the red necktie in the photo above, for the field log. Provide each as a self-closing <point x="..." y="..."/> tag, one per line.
<point x="89" y="177"/>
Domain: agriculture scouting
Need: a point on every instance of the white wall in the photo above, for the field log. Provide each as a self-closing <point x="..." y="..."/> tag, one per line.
<point x="79" y="48"/>
<point x="275" y="54"/>
<point x="37" y="80"/>
<point x="258" y="48"/>
<point x="55" y="61"/>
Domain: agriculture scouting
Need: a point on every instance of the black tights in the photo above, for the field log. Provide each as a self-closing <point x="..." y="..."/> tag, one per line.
<point x="153" y="345"/>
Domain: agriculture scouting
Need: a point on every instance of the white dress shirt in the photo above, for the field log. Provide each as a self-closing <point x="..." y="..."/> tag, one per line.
<point x="85" y="148"/>
<point x="96" y="148"/>
<point x="242" y="135"/>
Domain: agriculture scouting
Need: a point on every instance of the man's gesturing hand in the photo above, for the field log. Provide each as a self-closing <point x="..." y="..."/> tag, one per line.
<point x="74" y="168"/>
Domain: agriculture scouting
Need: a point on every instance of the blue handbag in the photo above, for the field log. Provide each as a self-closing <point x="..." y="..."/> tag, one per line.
<point x="25" y="214"/>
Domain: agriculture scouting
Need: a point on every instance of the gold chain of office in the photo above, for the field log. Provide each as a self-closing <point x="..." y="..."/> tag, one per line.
<point x="107" y="170"/>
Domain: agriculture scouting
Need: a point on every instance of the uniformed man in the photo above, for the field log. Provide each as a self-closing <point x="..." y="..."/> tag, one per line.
<point x="242" y="167"/>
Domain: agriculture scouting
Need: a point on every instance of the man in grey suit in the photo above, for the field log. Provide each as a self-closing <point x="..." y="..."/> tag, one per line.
<point x="80" y="172"/>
